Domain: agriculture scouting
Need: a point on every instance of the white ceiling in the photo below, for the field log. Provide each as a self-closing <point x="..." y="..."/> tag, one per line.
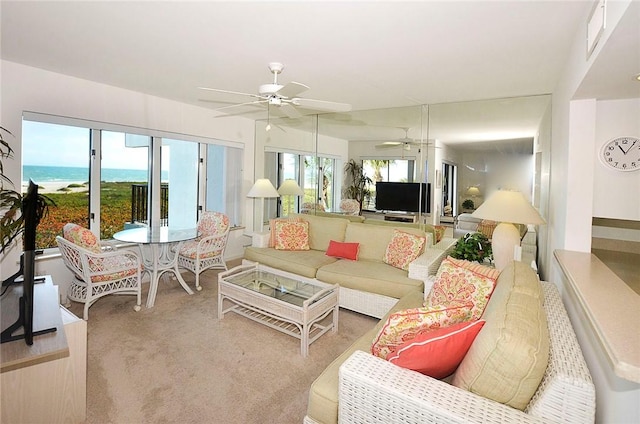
<point x="370" y="54"/>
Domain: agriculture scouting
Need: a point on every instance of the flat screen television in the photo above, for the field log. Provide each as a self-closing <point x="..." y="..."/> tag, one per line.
<point x="31" y="218"/>
<point x="403" y="197"/>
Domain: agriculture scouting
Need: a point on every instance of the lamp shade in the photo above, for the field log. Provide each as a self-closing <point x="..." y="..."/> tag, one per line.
<point x="473" y="191"/>
<point x="290" y="188"/>
<point x="508" y="206"/>
<point x="263" y="188"/>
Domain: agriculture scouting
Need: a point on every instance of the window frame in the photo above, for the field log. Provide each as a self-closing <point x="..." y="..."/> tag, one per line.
<point x="156" y="136"/>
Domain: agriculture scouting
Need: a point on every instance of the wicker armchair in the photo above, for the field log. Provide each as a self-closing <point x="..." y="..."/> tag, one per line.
<point x="350" y="206"/>
<point x="206" y="251"/>
<point x="373" y="390"/>
<point x="310" y="207"/>
<point x="98" y="269"/>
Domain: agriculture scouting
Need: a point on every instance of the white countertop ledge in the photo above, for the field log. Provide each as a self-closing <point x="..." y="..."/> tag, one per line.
<point x="612" y="307"/>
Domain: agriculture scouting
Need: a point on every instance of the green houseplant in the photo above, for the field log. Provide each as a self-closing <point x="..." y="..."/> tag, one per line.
<point x="11" y="222"/>
<point x="473" y="247"/>
<point x="359" y="187"/>
<point x="468" y="204"/>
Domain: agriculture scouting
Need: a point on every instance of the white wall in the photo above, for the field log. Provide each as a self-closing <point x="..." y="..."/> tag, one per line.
<point x="615" y="194"/>
<point x="495" y="171"/>
<point x="575" y="126"/>
<point x="30" y="89"/>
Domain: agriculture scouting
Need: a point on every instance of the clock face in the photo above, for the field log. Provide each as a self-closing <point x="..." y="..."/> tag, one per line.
<point x="621" y="154"/>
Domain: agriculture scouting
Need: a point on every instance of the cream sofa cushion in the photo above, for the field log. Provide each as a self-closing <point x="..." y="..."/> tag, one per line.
<point x="322" y="230"/>
<point x="301" y="262"/>
<point x="509" y="357"/>
<point x="369" y="276"/>
<point x="377" y="238"/>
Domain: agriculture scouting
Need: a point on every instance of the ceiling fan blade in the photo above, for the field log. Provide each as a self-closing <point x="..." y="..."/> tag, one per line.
<point x="217" y="90"/>
<point x="321" y="105"/>
<point x="256" y="102"/>
<point x="289" y="110"/>
<point x="292" y="89"/>
<point x="388" y="145"/>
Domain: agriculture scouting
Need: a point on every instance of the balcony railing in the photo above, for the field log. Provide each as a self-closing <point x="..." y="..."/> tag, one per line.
<point x="139" y="203"/>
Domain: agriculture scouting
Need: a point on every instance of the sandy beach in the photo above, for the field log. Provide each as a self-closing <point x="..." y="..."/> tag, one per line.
<point x="55" y="186"/>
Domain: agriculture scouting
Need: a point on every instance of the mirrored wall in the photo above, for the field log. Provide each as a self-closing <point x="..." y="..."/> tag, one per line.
<point x="454" y="154"/>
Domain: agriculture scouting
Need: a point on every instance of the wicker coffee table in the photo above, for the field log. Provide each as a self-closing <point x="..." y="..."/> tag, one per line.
<point x="294" y="305"/>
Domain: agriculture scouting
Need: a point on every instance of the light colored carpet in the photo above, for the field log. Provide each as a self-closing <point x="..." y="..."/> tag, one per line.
<point x="176" y="362"/>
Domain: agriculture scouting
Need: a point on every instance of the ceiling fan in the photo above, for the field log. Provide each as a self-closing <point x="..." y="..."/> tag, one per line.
<point x="284" y="97"/>
<point x="406" y="142"/>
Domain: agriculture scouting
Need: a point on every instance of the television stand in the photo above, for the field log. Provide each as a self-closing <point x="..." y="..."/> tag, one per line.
<point x="400" y="217"/>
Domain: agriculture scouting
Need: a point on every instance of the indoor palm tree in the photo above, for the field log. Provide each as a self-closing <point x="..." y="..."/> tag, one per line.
<point x="359" y="187"/>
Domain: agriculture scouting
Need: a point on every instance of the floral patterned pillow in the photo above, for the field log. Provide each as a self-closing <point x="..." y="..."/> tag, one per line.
<point x="459" y="282"/>
<point x="403" y="249"/>
<point x="272" y="228"/>
<point x="439" y="229"/>
<point x="403" y="326"/>
<point x="82" y="237"/>
<point x="292" y="235"/>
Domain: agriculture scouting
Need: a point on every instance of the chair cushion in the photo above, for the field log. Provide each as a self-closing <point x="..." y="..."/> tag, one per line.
<point x="213" y="223"/>
<point x="82" y="237"/>
<point x="403" y="249"/>
<point x="97" y="265"/>
<point x="189" y="249"/>
<point x="509" y="357"/>
<point x="437" y="353"/>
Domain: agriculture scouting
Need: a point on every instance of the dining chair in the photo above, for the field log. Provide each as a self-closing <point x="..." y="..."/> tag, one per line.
<point x="310" y="207"/>
<point x="207" y="250"/>
<point x="98" y="269"/>
<point x="350" y="206"/>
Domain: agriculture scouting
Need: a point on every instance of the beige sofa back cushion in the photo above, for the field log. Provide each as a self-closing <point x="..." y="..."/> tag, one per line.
<point x="510" y="354"/>
<point x="322" y="230"/>
<point x="373" y="239"/>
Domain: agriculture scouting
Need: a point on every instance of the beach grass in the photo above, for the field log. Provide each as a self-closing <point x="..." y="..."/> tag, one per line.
<point x="72" y="205"/>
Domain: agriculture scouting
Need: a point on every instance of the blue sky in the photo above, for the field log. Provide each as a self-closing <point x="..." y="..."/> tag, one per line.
<point x="60" y="145"/>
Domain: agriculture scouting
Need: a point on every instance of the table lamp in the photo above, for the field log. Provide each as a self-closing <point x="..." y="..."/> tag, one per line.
<point x="290" y="188"/>
<point x="508" y="208"/>
<point x="262" y="189"/>
<point x="473" y="191"/>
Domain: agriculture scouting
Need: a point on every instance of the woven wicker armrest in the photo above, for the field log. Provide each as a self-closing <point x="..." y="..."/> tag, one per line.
<point x="372" y="390"/>
<point x="426" y="264"/>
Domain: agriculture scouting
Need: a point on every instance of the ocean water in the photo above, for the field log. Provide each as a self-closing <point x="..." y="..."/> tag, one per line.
<point x="43" y="174"/>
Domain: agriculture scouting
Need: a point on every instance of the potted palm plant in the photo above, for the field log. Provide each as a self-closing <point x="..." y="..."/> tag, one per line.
<point x="359" y="187"/>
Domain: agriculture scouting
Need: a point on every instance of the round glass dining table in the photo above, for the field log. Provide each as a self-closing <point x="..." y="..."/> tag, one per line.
<point x="159" y="247"/>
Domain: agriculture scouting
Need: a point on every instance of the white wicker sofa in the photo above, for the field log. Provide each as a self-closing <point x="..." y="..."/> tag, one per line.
<point x="368" y="285"/>
<point x="361" y="388"/>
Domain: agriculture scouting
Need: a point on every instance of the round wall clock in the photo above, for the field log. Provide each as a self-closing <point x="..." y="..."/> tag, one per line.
<point x="621" y="154"/>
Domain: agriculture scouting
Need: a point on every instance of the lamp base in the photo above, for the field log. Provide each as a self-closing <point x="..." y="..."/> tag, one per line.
<point x="503" y="242"/>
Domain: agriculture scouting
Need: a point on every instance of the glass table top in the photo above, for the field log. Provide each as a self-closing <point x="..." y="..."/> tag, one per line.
<point x="145" y="235"/>
<point x="279" y="287"/>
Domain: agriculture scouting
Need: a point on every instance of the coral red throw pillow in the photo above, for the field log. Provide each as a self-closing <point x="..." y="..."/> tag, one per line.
<point x="343" y="250"/>
<point x="437" y="353"/>
<point x="403" y="326"/>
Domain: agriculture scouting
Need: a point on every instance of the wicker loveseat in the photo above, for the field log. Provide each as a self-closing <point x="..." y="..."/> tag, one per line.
<point x="361" y="388"/>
